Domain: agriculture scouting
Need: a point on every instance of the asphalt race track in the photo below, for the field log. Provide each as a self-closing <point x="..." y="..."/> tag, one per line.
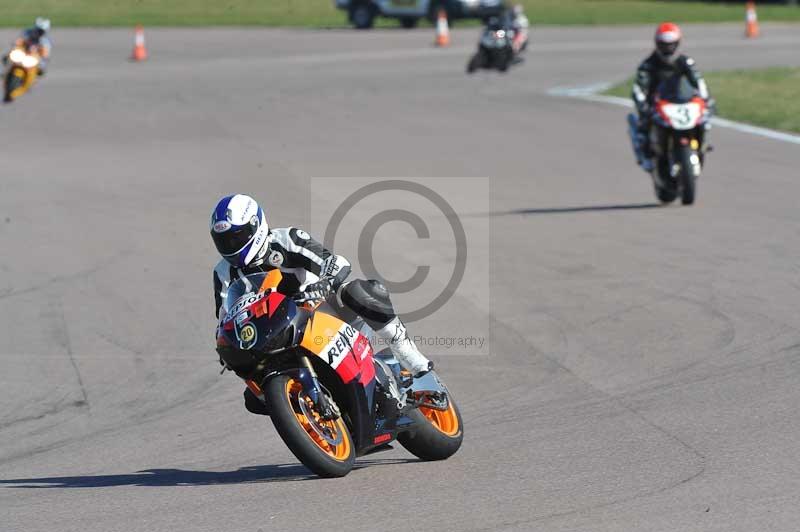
<point x="643" y="362"/>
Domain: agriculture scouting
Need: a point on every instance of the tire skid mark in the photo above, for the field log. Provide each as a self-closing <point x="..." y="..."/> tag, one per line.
<point x="55" y="409"/>
<point x="62" y="338"/>
<point x="195" y="394"/>
<point x="586" y="509"/>
<point x="613" y="399"/>
<point x="58" y="279"/>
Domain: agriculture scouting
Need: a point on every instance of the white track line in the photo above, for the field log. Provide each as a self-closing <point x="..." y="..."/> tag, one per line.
<point x="591" y="93"/>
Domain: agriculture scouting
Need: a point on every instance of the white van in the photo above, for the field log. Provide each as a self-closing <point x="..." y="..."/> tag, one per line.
<point x="362" y="13"/>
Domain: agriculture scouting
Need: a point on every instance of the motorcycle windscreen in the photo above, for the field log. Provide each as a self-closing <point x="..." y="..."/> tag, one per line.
<point x="258" y="317"/>
<point x="676" y="89"/>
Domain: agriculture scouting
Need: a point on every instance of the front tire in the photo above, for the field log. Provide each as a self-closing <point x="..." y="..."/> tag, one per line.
<point x="476" y="62"/>
<point x="688" y="175"/>
<point x="325" y="447"/>
<point x="437" y="434"/>
<point x="13" y="83"/>
<point x="664" y="184"/>
<point x="504" y="61"/>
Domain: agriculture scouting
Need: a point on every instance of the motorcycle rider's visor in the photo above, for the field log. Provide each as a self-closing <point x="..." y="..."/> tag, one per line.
<point x="234" y="239"/>
<point x="666" y="49"/>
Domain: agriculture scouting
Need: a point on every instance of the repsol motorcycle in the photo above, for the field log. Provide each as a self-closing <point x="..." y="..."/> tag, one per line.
<point x="680" y="120"/>
<point x="329" y="396"/>
<point x="21" y="72"/>
<point x="495" y="50"/>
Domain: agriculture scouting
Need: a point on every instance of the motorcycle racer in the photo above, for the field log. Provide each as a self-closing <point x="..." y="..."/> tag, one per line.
<point x="248" y="245"/>
<point x="519" y="24"/>
<point x="35" y="38"/>
<point x="659" y="66"/>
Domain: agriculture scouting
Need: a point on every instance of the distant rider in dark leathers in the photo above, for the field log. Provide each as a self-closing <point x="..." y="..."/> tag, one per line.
<point x="659" y="66"/>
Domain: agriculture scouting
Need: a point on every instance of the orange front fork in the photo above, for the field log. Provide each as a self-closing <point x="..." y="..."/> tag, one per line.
<point x="254" y="387"/>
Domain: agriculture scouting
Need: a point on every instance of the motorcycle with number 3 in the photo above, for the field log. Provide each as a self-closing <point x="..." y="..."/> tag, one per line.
<point x="21" y="73"/>
<point x="680" y="120"/>
<point x="330" y="397"/>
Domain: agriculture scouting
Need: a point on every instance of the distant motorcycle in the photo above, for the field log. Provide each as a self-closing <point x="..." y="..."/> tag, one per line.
<point x="330" y="398"/>
<point x="495" y="50"/>
<point x="21" y="72"/>
<point x="680" y="120"/>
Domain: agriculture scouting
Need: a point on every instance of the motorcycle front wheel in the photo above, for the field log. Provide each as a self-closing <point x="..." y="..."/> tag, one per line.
<point x="664" y="184"/>
<point x="13" y="83"/>
<point x="477" y="61"/>
<point x="688" y="177"/>
<point x="437" y="434"/>
<point x="323" y="446"/>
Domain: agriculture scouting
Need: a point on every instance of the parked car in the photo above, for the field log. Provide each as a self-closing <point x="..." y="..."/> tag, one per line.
<point x="362" y="13"/>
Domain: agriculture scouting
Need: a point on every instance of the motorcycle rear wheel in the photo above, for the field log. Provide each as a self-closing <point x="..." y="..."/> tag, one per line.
<point x="437" y="434"/>
<point x="324" y="446"/>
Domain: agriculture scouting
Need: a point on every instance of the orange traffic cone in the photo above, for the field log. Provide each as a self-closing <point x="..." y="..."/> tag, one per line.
<point x="442" y="29"/>
<point x="751" y="20"/>
<point x="139" y="50"/>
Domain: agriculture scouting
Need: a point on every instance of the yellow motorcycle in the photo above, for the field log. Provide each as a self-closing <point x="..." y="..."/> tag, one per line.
<point x="21" y="72"/>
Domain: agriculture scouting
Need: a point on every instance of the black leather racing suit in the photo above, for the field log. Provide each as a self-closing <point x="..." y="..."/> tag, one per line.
<point x="651" y="72"/>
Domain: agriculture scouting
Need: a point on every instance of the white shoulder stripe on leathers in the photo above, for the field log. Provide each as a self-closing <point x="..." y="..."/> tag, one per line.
<point x="282" y="237"/>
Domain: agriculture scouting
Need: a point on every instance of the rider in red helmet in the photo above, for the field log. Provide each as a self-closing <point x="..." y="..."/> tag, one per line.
<point x="662" y="64"/>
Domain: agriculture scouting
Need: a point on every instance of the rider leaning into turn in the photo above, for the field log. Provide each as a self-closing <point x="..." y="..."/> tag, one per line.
<point x="661" y="65"/>
<point x="519" y="24"/>
<point x="248" y="245"/>
<point x="36" y="38"/>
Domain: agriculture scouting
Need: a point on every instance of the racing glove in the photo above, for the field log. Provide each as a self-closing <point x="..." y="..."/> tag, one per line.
<point x="711" y="103"/>
<point x="316" y="291"/>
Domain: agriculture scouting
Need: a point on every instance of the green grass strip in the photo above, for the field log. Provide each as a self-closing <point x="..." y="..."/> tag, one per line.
<point x="322" y="13"/>
<point x="768" y="97"/>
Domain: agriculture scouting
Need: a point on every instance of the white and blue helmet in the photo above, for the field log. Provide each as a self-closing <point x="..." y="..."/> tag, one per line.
<point x="42" y="24"/>
<point x="239" y="230"/>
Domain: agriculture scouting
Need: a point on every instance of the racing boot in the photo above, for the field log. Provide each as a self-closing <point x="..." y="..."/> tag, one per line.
<point x="638" y="131"/>
<point x="404" y="349"/>
<point x="647" y="153"/>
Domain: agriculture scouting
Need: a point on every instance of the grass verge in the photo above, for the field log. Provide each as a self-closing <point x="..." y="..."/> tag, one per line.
<point x="322" y="13"/>
<point x="767" y="97"/>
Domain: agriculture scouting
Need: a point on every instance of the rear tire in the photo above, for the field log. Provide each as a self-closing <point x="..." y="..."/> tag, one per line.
<point x="437" y="435"/>
<point x="665" y="195"/>
<point x="297" y="431"/>
<point x="409" y="22"/>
